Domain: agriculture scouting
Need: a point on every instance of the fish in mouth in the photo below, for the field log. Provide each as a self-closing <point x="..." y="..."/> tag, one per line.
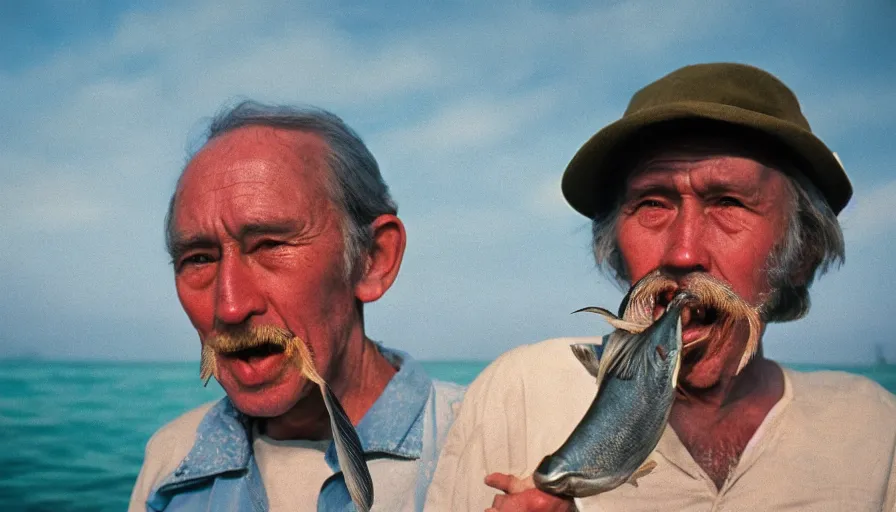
<point x="637" y="374"/>
<point x="715" y="306"/>
<point x="262" y="341"/>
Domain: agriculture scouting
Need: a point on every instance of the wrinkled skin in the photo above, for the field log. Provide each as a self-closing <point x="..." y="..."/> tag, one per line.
<point x="723" y="214"/>
<point x="717" y="212"/>
<point x="259" y="242"/>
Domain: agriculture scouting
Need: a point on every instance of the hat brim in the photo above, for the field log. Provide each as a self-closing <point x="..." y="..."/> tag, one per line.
<point x="589" y="178"/>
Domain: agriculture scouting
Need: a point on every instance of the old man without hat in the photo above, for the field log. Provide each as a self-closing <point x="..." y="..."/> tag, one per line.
<point x="280" y="230"/>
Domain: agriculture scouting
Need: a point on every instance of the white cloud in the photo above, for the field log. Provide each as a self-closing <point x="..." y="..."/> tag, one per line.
<point x="871" y="215"/>
<point x="648" y="26"/>
<point x="48" y="204"/>
<point x="473" y="116"/>
<point x="853" y="104"/>
<point x="472" y="124"/>
<point x="548" y="201"/>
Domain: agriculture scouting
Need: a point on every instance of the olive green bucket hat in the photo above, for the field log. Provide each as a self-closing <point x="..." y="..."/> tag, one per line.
<point x="736" y="95"/>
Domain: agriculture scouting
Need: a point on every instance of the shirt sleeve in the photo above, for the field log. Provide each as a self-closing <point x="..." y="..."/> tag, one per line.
<point x="890" y="497"/>
<point x="521" y="408"/>
<point x="487" y="436"/>
<point x="890" y="500"/>
<point x="150" y="472"/>
<point x="164" y="452"/>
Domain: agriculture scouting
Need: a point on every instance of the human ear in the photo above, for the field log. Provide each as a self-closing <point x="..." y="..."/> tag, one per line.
<point x="383" y="259"/>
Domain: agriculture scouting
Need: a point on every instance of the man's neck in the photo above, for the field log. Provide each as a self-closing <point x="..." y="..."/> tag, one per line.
<point x="715" y="425"/>
<point x="358" y="382"/>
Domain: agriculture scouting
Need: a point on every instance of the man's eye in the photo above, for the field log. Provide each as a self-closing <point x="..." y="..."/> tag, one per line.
<point x="269" y="244"/>
<point x="650" y="203"/>
<point x="730" y="201"/>
<point x="196" y="259"/>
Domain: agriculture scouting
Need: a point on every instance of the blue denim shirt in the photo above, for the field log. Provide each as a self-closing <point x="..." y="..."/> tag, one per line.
<point x="220" y="472"/>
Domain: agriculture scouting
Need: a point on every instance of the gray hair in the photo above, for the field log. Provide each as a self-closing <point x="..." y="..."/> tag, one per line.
<point x="354" y="182"/>
<point x="812" y="244"/>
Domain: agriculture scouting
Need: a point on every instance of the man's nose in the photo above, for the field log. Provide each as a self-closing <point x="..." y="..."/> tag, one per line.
<point x="237" y="296"/>
<point x="685" y="250"/>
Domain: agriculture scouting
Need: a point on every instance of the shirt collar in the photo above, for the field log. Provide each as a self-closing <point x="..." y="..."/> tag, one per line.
<point x="393" y="426"/>
<point x="222" y="445"/>
<point x="673" y="449"/>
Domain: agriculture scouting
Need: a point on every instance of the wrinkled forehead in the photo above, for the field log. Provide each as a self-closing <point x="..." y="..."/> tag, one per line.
<point x="271" y="157"/>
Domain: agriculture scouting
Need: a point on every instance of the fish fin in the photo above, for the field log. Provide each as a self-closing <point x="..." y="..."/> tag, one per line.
<point x="596" y="309"/>
<point x="641" y="472"/>
<point x="625" y="325"/>
<point x="626" y="358"/>
<point x="208" y="365"/>
<point x="615" y="321"/>
<point x="621" y="358"/>
<point x="677" y="357"/>
<point x="589" y="355"/>
<point x="623" y="305"/>
<point x="615" y="341"/>
<point x="349" y="452"/>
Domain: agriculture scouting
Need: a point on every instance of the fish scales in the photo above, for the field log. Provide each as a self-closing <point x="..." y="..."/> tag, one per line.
<point x="626" y="419"/>
<point x="608" y="443"/>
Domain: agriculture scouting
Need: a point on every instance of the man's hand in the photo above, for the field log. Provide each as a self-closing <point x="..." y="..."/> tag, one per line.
<point x="522" y="496"/>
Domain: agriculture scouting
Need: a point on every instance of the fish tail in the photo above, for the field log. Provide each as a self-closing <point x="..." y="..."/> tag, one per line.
<point x="615" y="321"/>
<point x="349" y="451"/>
<point x="641" y="472"/>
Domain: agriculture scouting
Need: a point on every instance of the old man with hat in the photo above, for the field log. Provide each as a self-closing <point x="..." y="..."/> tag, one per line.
<point x="711" y="170"/>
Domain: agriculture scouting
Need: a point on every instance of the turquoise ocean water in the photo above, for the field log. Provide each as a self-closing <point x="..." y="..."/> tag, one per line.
<point x="72" y="434"/>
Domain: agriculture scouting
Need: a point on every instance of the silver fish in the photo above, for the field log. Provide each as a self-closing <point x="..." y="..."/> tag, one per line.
<point x="637" y="374"/>
<point x="711" y="294"/>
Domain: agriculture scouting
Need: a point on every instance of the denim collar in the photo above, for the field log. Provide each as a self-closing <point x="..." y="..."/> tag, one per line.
<point x="393" y="426"/>
<point x="221" y="446"/>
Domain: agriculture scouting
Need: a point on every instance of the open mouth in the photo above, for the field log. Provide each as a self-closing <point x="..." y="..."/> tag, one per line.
<point x="694" y="315"/>
<point x="259" y="351"/>
<point x="255" y="366"/>
<point x="693" y="352"/>
<point x="698" y="315"/>
<point x="711" y="312"/>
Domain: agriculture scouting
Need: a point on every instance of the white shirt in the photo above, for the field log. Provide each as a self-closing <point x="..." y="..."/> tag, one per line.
<point x="829" y="444"/>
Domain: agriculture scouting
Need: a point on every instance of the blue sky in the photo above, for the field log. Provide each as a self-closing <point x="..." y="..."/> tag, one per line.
<point x="473" y="112"/>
